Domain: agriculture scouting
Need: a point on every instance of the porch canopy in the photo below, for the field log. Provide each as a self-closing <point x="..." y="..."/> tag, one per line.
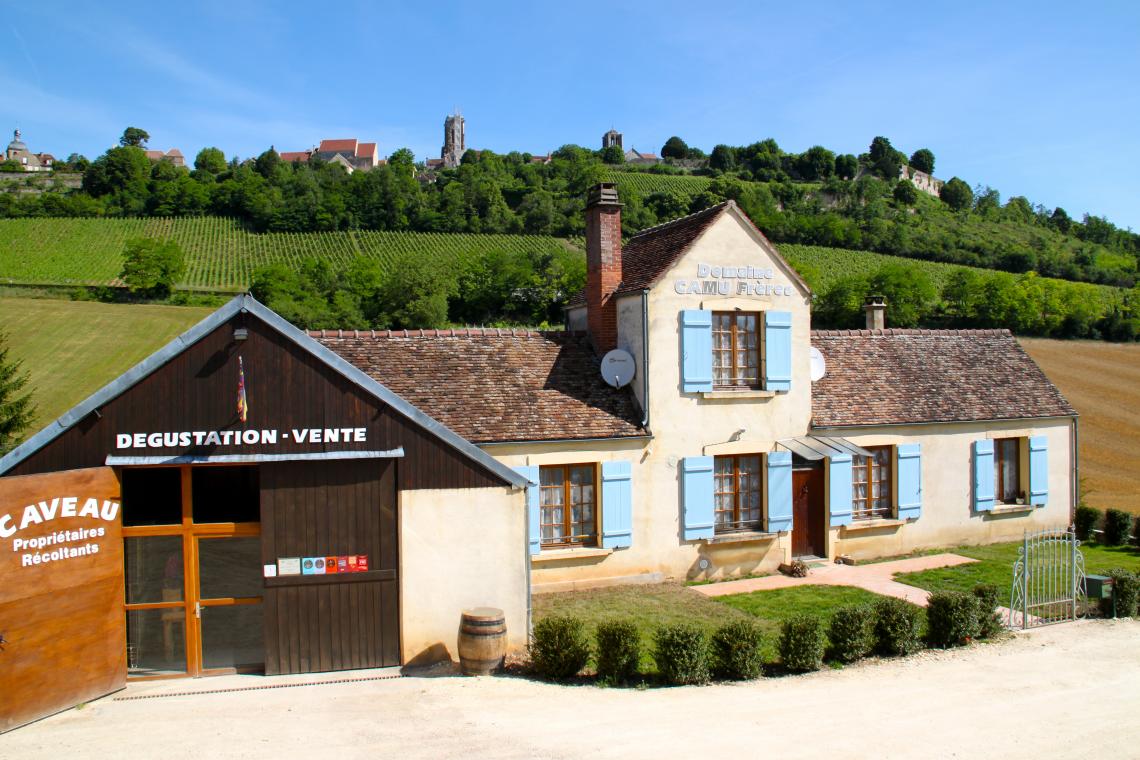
<point x="815" y="448"/>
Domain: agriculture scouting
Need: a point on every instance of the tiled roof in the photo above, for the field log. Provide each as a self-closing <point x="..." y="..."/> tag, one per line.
<point x="295" y="155"/>
<point x="365" y="150"/>
<point x="896" y="376"/>
<point x="495" y="385"/>
<point x="338" y="146"/>
<point x="174" y="152"/>
<point x="651" y="252"/>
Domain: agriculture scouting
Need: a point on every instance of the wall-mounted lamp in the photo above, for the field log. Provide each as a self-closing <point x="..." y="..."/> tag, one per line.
<point x="241" y="333"/>
<point x="736" y="436"/>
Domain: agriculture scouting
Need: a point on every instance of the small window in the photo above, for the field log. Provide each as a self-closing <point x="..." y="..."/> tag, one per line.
<point x="569" y="505"/>
<point x="871" y="484"/>
<point x="738" y="494"/>
<point x="736" y="349"/>
<point x="1007" y="470"/>
<point x="225" y="494"/>
<point x="152" y="496"/>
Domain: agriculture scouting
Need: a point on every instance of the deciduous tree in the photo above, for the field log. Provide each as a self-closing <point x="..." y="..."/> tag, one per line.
<point x="674" y="147"/>
<point x="134" y="137"/>
<point x="923" y="160"/>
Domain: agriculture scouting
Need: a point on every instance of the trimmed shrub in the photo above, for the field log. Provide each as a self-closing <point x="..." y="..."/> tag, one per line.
<point x="952" y="617"/>
<point x="1085" y="521"/>
<point x="898" y="627"/>
<point x="618" y="649"/>
<point x="852" y="632"/>
<point x="736" y="650"/>
<point x="1136" y="531"/>
<point x="989" y="619"/>
<point x="802" y="643"/>
<point x="681" y="652"/>
<point x="1126" y="592"/>
<point x="1117" y="525"/>
<point x="559" y="647"/>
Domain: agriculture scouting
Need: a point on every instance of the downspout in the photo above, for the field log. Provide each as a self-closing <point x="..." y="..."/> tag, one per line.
<point x="526" y="564"/>
<point x="645" y="357"/>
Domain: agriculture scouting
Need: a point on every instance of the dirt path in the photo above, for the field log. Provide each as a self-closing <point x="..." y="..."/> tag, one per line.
<point x="1035" y="695"/>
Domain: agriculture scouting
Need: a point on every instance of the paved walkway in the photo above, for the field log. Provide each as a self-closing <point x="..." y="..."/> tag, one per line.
<point x="878" y="577"/>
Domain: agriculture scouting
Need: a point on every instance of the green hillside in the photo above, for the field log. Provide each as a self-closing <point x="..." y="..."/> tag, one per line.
<point x="220" y="254"/>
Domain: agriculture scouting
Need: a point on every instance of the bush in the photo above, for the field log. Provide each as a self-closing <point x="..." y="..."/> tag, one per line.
<point x="618" y="650"/>
<point x="152" y="267"/>
<point x="952" y="617"/>
<point x="852" y="632"/>
<point x="559" y="647"/>
<point x="1085" y="521"/>
<point x="1136" y="531"/>
<point x="898" y="627"/>
<point x="1117" y="525"/>
<point x="736" y="650"/>
<point x="681" y="652"/>
<point x="989" y="619"/>
<point x="1125" y="591"/>
<point x="802" y="643"/>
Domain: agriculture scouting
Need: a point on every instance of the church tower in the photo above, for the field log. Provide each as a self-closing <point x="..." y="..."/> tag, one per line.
<point x="454" y="142"/>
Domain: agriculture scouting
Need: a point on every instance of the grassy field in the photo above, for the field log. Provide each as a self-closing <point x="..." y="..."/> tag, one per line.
<point x="1102" y="380"/>
<point x="70" y="349"/>
<point x="651" y="607"/>
<point x="995" y="566"/>
<point x="220" y="254"/>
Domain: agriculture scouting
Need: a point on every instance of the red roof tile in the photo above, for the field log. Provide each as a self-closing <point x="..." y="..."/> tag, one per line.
<point x="294" y="155"/>
<point x="495" y="385"/>
<point x="364" y="150"/>
<point x="338" y="146"/>
<point x="887" y="377"/>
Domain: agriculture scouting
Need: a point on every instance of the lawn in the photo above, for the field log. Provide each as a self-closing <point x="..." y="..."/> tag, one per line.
<point x="995" y="566"/>
<point x="651" y="607"/>
<point x="70" y="349"/>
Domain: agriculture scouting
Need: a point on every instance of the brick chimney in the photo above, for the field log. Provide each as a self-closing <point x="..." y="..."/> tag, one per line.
<point x="876" y="308"/>
<point x="603" y="264"/>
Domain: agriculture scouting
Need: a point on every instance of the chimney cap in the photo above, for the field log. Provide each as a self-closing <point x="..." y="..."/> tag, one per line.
<point x="875" y="300"/>
<point x="603" y="194"/>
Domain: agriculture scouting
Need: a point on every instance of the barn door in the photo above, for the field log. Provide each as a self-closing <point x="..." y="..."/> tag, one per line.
<point x="62" y="620"/>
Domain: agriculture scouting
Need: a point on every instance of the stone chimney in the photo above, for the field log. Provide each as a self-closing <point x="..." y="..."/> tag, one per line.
<point x="876" y="308"/>
<point x="603" y="264"/>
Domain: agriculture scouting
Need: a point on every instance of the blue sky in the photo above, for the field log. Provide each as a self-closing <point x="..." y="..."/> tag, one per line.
<point x="1037" y="99"/>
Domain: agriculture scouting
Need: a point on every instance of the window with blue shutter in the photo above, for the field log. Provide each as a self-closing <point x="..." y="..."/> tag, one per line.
<point x="534" y="531"/>
<point x="839" y="489"/>
<point x="617" y="523"/>
<point x="778" y="350"/>
<point x="1038" y="471"/>
<point x="697" y="497"/>
<point x="696" y="351"/>
<point x="779" y="491"/>
<point x="909" y="457"/>
<point x="983" y="475"/>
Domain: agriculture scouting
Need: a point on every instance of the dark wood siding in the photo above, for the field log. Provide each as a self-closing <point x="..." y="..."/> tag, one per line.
<point x="341" y="621"/>
<point x="287" y="388"/>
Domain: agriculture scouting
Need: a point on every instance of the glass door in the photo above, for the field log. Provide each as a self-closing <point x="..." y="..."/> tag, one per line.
<point x="228" y="603"/>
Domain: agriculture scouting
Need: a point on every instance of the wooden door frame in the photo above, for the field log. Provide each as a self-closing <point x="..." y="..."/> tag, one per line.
<point x="190" y="533"/>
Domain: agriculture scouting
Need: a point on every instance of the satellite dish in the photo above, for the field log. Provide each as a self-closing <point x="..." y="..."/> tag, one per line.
<point x="818" y="365"/>
<point x="617" y="368"/>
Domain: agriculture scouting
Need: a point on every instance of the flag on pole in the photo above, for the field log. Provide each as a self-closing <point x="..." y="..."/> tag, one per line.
<point x="242" y="401"/>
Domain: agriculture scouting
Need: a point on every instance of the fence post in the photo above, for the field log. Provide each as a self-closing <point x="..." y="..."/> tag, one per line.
<point x="1025" y="582"/>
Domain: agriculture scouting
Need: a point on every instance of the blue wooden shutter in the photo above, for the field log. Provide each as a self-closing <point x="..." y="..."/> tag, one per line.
<point x="983" y="475"/>
<point x="697" y="496"/>
<point x="533" y="521"/>
<point x="778" y="350"/>
<point x="617" y="525"/>
<point x="696" y="350"/>
<point x="1038" y="471"/>
<point x="779" y="491"/>
<point x="839" y="489"/>
<point x="910" y="480"/>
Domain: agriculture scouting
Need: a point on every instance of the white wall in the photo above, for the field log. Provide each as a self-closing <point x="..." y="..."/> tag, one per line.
<point x="460" y="548"/>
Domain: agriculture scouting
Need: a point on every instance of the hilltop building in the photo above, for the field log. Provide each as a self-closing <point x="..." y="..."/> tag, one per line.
<point x="611" y="138"/>
<point x="633" y="156"/>
<point x="173" y="156"/>
<point x="454" y="140"/>
<point x="922" y="181"/>
<point x="30" y="162"/>
<point x="348" y="152"/>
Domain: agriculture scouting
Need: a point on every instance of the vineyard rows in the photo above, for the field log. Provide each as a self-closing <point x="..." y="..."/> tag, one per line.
<point x="835" y="263"/>
<point x="645" y="184"/>
<point x="220" y="254"/>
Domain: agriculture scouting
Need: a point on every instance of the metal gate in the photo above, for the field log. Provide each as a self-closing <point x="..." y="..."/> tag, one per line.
<point x="1048" y="579"/>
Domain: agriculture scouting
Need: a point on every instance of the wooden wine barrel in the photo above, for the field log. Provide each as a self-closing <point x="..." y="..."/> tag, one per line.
<point x="482" y="641"/>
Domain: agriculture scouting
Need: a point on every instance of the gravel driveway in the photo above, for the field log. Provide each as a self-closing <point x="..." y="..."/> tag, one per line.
<point x="1063" y="691"/>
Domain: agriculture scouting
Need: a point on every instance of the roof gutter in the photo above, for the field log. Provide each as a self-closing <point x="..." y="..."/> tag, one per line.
<point x="941" y="422"/>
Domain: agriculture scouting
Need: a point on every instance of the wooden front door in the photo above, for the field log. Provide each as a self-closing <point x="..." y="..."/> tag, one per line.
<point x="807" y="512"/>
